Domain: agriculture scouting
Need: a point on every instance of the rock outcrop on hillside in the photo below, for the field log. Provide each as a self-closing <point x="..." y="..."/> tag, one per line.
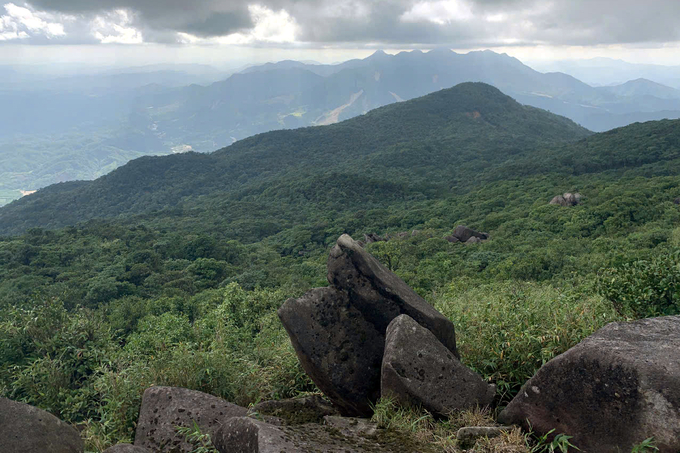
<point x="338" y="333"/>
<point x="466" y="235"/>
<point x="165" y="408"/>
<point x="615" y="389"/>
<point x="27" y="429"/>
<point x="567" y="199"/>
<point x="418" y="370"/>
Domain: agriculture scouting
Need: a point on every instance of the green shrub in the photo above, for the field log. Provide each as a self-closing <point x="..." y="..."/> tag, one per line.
<point x="644" y="288"/>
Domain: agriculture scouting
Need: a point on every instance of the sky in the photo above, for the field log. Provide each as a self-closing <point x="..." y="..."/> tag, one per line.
<point x="235" y="32"/>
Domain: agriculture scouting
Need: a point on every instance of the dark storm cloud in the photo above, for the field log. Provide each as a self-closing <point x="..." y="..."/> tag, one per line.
<point x="431" y="22"/>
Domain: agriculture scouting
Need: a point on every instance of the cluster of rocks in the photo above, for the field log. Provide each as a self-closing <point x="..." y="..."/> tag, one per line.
<point x="369" y="334"/>
<point x="467" y="235"/>
<point x="567" y="199"/>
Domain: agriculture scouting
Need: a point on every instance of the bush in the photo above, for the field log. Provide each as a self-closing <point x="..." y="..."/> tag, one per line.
<point x="644" y="288"/>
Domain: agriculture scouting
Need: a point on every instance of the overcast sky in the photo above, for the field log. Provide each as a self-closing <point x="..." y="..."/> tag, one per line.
<point x="225" y="32"/>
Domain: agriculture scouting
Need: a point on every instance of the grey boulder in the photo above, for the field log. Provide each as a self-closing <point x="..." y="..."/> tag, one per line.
<point x="165" y="408"/>
<point x="126" y="448"/>
<point x="615" y="389"/>
<point x="379" y="295"/>
<point x="340" y="351"/>
<point x="464" y="234"/>
<point x="27" y="429"/>
<point x="418" y="370"/>
<point x="567" y="199"/>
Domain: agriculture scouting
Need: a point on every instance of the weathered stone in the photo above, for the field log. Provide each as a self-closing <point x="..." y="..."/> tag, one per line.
<point x="126" y="448"/>
<point x="418" y="370"/>
<point x="27" y="429"/>
<point x="464" y="234"/>
<point x="379" y="294"/>
<point x="453" y="239"/>
<point x="351" y="426"/>
<point x="296" y="411"/>
<point x="473" y="240"/>
<point x="337" y="347"/>
<point x="615" y="389"/>
<point x="165" y="408"/>
<point x="467" y="436"/>
<point x="567" y="199"/>
<point x="245" y="435"/>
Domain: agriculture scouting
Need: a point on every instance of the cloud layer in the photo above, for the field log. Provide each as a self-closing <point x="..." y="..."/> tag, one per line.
<point x="455" y="23"/>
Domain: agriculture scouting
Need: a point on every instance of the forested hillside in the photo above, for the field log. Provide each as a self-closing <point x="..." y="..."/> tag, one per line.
<point x="174" y="275"/>
<point x="428" y="145"/>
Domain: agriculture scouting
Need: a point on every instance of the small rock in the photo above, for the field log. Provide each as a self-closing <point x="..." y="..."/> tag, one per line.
<point x="473" y="240"/>
<point x="296" y="411"/>
<point x="452" y="239"/>
<point x="245" y="435"/>
<point x="467" y="436"/>
<point x="610" y="392"/>
<point x="418" y="370"/>
<point x="126" y="448"/>
<point x="164" y="408"/>
<point x="27" y="429"/>
<point x="350" y="426"/>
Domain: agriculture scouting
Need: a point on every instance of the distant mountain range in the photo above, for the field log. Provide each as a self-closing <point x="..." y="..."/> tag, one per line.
<point x="84" y="126"/>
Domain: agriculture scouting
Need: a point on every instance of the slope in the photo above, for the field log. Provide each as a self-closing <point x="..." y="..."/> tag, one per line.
<point x="428" y="144"/>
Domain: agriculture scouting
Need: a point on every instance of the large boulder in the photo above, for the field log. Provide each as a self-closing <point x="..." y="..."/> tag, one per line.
<point x="337" y="347"/>
<point x="245" y="435"/>
<point x="464" y="234"/>
<point x="165" y="408"/>
<point x="379" y="294"/>
<point x="27" y="429"/>
<point x="615" y="389"/>
<point x="418" y="370"/>
<point x="126" y="448"/>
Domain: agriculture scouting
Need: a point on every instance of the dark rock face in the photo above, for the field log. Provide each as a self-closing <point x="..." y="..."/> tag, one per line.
<point x="164" y="408"/>
<point x="418" y="370"/>
<point x="464" y="234"/>
<point x="245" y="435"/>
<point x="336" y="346"/>
<point x="296" y="411"/>
<point x="339" y="332"/>
<point x="126" y="448"/>
<point x="615" y="389"/>
<point x="379" y="294"/>
<point x="27" y="429"/>
<point x="567" y="199"/>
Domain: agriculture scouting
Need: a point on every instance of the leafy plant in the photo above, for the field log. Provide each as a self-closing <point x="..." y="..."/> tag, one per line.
<point x="646" y="446"/>
<point x="201" y="442"/>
